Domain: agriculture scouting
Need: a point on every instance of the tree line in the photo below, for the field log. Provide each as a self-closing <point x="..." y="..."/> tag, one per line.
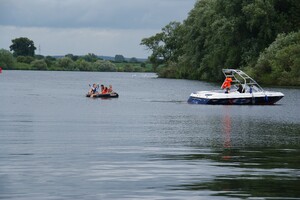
<point x="261" y="37"/>
<point x="24" y="58"/>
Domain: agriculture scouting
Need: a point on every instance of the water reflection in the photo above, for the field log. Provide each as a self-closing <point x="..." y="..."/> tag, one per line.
<point x="227" y="131"/>
<point x="255" y="158"/>
<point x="265" y="187"/>
<point x="253" y="173"/>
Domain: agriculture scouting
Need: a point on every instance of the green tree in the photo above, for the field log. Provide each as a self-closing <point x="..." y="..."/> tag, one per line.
<point x="104" y="66"/>
<point x="22" y="47"/>
<point x="172" y="41"/>
<point x="143" y="65"/>
<point x="119" y="58"/>
<point x="128" y="68"/>
<point x="6" y="59"/>
<point x="138" y="69"/>
<point x="220" y="34"/>
<point x="50" y="61"/>
<point x="39" y="64"/>
<point x="133" y="60"/>
<point x="83" y="65"/>
<point x="74" y="58"/>
<point x="39" y="57"/>
<point x="90" y="57"/>
<point x="25" y="59"/>
<point x="66" y="64"/>
<point x="166" y="45"/>
<point x="279" y="64"/>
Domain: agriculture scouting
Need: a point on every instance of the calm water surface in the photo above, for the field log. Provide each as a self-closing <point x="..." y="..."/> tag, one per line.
<point x="148" y="144"/>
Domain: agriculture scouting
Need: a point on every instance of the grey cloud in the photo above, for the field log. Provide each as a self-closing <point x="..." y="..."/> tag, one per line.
<point x="120" y="14"/>
<point x="103" y="27"/>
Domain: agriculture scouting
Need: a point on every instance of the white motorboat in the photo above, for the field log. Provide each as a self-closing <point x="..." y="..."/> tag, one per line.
<point x="243" y="91"/>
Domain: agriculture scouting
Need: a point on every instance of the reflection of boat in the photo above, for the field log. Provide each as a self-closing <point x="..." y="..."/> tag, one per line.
<point x="226" y="122"/>
<point x="244" y="91"/>
<point x="110" y="95"/>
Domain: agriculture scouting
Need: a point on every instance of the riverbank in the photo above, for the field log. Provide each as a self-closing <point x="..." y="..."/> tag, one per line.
<point x="69" y="62"/>
<point x="263" y="78"/>
<point x="98" y="66"/>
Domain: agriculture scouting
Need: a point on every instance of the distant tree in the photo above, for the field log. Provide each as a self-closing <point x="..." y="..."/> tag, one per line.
<point x="84" y="65"/>
<point x="66" y="64"/>
<point x="90" y="57"/>
<point x="22" y="47"/>
<point x="39" y="64"/>
<point x="50" y="60"/>
<point x="74" y="58"/>
<point x="143" y="65"/>
<point x="6" y="59"/>
<point x="25" y="59"/>
<point x="138" y="69"/>
<point x="119" y="58"/>
<point x="128" y="68"/>
<point x="133" y="60"/>
<point x="39" y="57"/>
<point x="104" y="66"/>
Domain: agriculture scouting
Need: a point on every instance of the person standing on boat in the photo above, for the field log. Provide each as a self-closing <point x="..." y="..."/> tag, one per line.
<point x="227" y="84"/>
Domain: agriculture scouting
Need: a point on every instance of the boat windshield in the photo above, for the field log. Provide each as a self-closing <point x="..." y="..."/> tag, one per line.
<point x="254" y="88"/>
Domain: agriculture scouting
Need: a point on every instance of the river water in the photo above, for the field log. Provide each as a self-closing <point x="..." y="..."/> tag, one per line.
<point x="148" y="144"/>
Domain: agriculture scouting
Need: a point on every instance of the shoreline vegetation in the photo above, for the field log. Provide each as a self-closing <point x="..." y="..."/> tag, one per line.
<point x="70" y="62"/>
<point x="260" y="37"/>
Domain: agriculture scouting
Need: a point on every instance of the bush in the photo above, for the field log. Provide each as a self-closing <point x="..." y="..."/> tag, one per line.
<point x="66" y="63"/>
<point x="128" y="68"/>
<point x="279" y="64"/>
<point x="39" y="57"/>
<point x="138" y="69"/>
<point x="25" y="59"/>
<point x="39" y="64"/>
<point x="168" y="72"/>
<point x="84" y="65"/>
<point x="104" y="66"/>
<point x="22" y="66"/>
<point x="6" y="59"/>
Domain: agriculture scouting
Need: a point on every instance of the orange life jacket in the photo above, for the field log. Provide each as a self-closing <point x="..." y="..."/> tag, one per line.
<point x="226" y="83"/>
<point x="104" y="91"/>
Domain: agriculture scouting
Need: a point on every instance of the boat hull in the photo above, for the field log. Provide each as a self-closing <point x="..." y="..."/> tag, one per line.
<point x="267" y="98"/>
<point x="235" y="101"/>
<point x="111" y="95"/>
<point x="240" y="89"/>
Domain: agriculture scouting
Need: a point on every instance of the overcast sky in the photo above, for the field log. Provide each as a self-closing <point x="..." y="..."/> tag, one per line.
<point x="102" y="27"/>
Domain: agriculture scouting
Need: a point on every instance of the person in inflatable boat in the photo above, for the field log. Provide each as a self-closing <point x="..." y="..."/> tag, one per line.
<point x="93" y="90"/>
